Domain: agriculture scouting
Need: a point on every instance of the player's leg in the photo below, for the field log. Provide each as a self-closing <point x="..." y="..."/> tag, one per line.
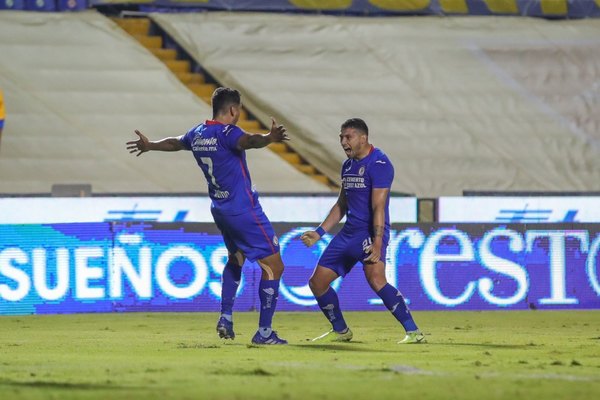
<point x="232" y="274"/>
<point x="268" y="293"/>
<point x="393" y="300"/>
<point x="337" y="260"/>
<point x="254" y="236"/>
<point x="230" y="281"/>
<point x="327" y="298"/>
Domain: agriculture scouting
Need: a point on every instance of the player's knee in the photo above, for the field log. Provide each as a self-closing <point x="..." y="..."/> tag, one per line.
<point x="313" y="285"/>
<point x="271" y="269"/>
<point x="277" y="270"/>
<point x="237" y="259"/>
<point x="377" y="282"/>
<point x="317" y="287"/>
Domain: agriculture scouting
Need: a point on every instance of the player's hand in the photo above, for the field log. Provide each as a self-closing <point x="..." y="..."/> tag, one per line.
<point x="309" y="238"/>
<point x="277" y="133"/>
<point x="140" y="146"/>
<point x="374" y="251"/>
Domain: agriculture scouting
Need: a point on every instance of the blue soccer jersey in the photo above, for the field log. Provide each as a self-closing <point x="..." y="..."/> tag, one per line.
<point x="375" y="171"/>
<point x="224" y="165"/>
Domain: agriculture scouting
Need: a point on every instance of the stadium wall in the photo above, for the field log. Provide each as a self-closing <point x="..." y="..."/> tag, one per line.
<point x="149" y="266"/>
<point x="531" y="8"/>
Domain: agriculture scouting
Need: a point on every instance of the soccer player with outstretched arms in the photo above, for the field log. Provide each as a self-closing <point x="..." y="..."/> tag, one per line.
<point x="219" y="148"/>
<point x="367" y="177"/>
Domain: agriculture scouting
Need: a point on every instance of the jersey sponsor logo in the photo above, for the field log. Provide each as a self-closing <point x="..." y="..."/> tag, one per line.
<point x="204" y="144"/>
<point x="221" y="194"/>
<point x="200" y="141"/>
<point x="353" y="182"/>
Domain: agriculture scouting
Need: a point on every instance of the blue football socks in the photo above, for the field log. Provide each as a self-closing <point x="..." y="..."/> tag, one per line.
<point x="330" y="305"/>
<point x="232" y="274"/>
<point x="268" y="292"/>
<point x="394" y="301"/>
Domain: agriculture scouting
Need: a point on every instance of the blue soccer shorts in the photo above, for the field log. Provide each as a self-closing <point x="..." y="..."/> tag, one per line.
<point x="347" y="248"/>
<point x="250" y="232"/>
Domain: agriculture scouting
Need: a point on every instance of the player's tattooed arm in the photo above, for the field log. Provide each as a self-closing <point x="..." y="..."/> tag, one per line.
<point x="379" y="198"/>
<point x="143" y="145"/>
<point x="167" y="144"/>
<point x="253" y="141"/>
<point x="378" y="201"/>
<point x="378" y="231"/>
<point x="257" y="140"/>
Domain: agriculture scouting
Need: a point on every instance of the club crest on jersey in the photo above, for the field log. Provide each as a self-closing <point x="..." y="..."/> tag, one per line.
<point x="361" y="171"/>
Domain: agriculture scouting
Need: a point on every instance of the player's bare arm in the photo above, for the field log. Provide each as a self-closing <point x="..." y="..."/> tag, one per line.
<point x="258" y="140"/>
<point x="378" y="200"/>
<point x="143" y="145"/>
<point x="335" y="215"/>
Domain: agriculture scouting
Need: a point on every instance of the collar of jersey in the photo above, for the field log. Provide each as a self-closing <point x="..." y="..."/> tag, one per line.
<point x="367" y="156"/>
<point x="212" y="122"/>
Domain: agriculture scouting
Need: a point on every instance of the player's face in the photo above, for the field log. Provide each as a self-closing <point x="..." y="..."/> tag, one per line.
<point x="353" y="142"/>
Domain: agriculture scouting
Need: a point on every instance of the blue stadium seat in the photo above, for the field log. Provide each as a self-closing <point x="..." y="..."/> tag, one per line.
<point x="40" y="5"/>
<point x="12" y="4"/>
<point x="71" y="5"/>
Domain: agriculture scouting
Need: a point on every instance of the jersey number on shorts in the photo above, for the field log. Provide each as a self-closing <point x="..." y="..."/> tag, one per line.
<point x="366" y="244"/>
<point x="209" y="164"/>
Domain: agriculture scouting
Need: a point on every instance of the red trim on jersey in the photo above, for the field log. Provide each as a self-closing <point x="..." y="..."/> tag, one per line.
<point x="246" y="179"/>
<point x="263" y="231"/>
<point x="372" y="150"/>
<point x="212" y="122"/>
<point x="253" y="213"/>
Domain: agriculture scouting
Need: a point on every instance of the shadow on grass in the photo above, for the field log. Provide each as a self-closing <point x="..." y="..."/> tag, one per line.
<point x="338" y="347"/>
<point x="243" y="372"/>
<point x="63" y="385"/>
<point x="486" y="345"/>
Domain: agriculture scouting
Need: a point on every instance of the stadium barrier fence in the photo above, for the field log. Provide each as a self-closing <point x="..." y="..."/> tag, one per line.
<point x="150" y="266"/>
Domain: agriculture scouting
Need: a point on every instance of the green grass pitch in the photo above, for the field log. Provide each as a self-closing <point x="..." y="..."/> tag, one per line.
<point x="470" y="355"/>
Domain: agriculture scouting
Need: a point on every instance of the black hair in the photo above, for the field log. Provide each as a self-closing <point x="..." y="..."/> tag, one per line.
<point x="356" y="123"/>
<point x="223" y="97"/>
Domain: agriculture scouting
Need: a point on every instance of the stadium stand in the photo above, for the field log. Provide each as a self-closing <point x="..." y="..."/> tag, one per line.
<point x="76" y="86"/>
<point x="475" y="104"/>
<point x="196" y="79"/>
<point x="458" y="104"/>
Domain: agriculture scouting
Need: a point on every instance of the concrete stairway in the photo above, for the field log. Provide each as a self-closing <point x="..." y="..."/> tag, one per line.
<point x="201" y="85"/>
